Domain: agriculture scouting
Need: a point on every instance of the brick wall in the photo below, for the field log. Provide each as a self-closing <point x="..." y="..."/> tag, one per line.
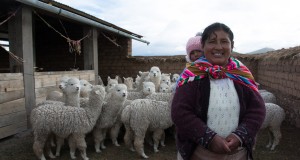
<point x="118" y="60"/>
<point x="277" y="71"/>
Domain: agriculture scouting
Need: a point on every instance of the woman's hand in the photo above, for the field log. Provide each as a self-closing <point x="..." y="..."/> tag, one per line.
<point x="233" y="142"/>
<point x="219" y="145"/>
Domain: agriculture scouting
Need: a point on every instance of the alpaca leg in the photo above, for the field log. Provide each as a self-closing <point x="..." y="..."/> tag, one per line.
<point x="102" y="138"/>
<point x="128" y="138"/>
<point x="139" y="146"/>
<point x="114" y="132"/>
<point x="97" y="134"/>
<point x="162" y="139"/>
<point x="48" y="148"/>
<point x="277" y="137"/>
<point x="156" y="138"/>
<point x="52" y="139"/>
<point x="38" y="147"/>
<point x="81" y="145"/>
<point x="72" y="146"/>
<point x="59" y="143"/>
<point x="270" y="139"/>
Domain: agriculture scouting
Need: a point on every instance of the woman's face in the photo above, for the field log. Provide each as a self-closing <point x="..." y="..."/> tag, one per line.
<point x="217" y="48"/>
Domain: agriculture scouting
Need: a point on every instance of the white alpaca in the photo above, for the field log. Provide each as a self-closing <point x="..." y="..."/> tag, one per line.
<point x="114" y="131"/>
<point x="142" y="78"/>
<point x="69" y="86"/>
<point x="85" y="88"/>
<point x="155" y="77"/>
<point x="111" y="83"/>
<point x="144" y="115"/>
<point x="267" y="96"/>
<point x="175" y="77"/>
<point x="136" y="82"/>
<point x="165" y="88"/>
<point x="56" y="95"/>
<point x="66" y="121"/>
<point x="100" y="81"/>
<point x="148" y="88"/>
<point x="160" y="96"/>
<point x="128" y="82"/>
<point x="274" y="117"/>
<point x="165" y="78"/>
<point x="115" y="100"/>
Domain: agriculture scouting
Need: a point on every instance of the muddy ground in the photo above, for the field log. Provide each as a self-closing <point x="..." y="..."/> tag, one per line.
<point x="19" y="147"/>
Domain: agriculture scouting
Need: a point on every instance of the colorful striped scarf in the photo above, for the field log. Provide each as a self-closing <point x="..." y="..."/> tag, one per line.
<point x="201" y="68"/>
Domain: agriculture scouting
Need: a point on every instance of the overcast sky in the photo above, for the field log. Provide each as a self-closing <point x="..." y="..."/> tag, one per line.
<point x="168" y="24"/>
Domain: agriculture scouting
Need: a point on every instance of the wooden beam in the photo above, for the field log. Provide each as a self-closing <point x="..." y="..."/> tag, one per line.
<point x="27" y="50"/>
<point x="90" y="51"/>
<point x="21" y="41"/>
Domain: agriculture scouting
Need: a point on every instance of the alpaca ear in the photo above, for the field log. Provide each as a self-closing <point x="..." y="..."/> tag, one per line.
<point x="108" y="78"/>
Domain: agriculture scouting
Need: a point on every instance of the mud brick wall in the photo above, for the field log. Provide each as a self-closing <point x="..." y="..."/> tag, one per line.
<point x="118" y="60"/>
<point x="277" y="71"/>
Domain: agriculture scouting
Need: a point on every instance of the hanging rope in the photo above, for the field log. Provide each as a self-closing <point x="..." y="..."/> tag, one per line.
<point x="114" y="41"/>
<point x="74" y="45"/>
<point x="14" y="57"/>
<point x="9" y="17"/>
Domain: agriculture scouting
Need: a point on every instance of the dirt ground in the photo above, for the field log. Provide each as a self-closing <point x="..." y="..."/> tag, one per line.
<point x="19" y="147"/>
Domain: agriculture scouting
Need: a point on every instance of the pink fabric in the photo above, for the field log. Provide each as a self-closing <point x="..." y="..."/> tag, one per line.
<point x="193" y="43"/>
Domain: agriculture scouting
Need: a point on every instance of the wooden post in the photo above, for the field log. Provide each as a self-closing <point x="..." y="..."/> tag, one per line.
<point x="90" y="51"/>
<point x="21" y="43"/>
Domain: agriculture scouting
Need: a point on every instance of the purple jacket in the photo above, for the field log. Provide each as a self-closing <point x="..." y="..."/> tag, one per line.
<point x="189" y="114"/>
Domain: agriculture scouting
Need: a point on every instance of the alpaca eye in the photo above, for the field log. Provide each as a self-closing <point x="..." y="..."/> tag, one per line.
<point x="119" y="90"/>
<point x="84" y="84"/>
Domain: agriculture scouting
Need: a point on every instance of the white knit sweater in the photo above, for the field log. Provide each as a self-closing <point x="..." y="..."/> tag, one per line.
<point x="224" y="107"/>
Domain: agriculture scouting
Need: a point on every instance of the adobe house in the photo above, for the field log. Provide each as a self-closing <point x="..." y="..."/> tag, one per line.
<point x="56" y="40"/>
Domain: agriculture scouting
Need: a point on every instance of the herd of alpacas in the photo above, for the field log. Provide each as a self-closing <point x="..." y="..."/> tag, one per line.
<point x="142" y="105"/>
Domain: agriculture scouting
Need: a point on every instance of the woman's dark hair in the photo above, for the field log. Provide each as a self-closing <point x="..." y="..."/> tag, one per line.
<point x="215" y="27"/>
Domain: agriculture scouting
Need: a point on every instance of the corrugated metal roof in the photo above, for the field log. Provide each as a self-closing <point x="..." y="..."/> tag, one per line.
<point x="83" y="14"/>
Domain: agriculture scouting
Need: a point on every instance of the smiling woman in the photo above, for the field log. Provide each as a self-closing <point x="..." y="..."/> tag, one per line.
<point x="217" y="109"/>
<point x="217" y="45"/>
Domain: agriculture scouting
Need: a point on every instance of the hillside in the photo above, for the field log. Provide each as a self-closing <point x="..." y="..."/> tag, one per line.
<point x="263" y="50"/>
